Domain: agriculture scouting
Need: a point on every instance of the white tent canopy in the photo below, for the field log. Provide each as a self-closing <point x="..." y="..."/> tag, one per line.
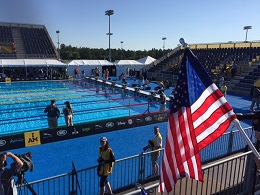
<point x="146" y="60"/>
<point x="126" y="65"/>
<point x="86" y="65"/>
<point x="30" y="63"/>
<point x="90" y="63"/>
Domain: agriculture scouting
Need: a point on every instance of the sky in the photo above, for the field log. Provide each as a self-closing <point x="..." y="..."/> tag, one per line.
<point x="140" y="24"/>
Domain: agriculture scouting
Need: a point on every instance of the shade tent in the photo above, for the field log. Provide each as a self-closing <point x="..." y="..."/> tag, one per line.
<point x="146" y="60"/>
<point x="126" y="65"/>
<point x="30" y="63"/>
<point x="88" y="65"/>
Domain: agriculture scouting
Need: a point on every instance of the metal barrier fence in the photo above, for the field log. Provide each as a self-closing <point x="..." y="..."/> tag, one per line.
<point x="136" y="169"/>
<point x="224" y="177"/>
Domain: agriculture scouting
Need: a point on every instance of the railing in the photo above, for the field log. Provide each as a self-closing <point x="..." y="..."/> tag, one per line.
<point x="163" y="57"/>
<point x="135" y="169"/>
<point x="223" y="177"/>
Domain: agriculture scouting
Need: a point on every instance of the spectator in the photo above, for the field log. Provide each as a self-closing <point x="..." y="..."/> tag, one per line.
<point x="83" y="73"/>
<point x="53" y="113"/>
<point x="114" y="72"/>
<point x="68" y="114"/>
<point x="224" y="89"/>
<point x="255" y="98"/>
<point x="93" y="72"/>
<point x="97" y="72"/>
<point x="220" y="82"/>
<point x="162" y="101"/>
<point x="76" y="72"/>
<point x="157" y="144"/>
<point x="106" y="162"/>
<point x="145" y="73"/>
<point x="7" y="185"/>
<point x="106" y="74"/>
<point x="234" y="70"/>
<point x="14" y="47"/>
<point x="134" y="73"/>
<point x="224" y="69"/>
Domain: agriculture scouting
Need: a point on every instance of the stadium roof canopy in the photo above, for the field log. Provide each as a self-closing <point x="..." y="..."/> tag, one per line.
<point x="30" y="63"/>
<point x="90" y="63"/>
<point x="146" y="60"/>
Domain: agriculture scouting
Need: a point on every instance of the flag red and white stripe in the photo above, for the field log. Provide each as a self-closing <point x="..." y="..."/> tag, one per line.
<point x="190" y="129"/>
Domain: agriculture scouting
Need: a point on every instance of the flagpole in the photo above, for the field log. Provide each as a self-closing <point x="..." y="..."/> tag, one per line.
<point x="250" y="144"/>
<point x="235" y="121"/>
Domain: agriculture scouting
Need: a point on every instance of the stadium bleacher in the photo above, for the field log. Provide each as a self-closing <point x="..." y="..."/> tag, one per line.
<point x="214" y="57"/>
<point x="32" y="41"/>
<point x="37" y="43"/>
<point x="6" y="34"/>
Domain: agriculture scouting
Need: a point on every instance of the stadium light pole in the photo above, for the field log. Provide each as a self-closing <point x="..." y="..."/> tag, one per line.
<point x="164" y="38"/>
<point x="121" y="45"/>
<point x="109" y="13"/>
<point x="247" y="28"/>
<point x="58" y="32"/>
<point x="121" y="49"/>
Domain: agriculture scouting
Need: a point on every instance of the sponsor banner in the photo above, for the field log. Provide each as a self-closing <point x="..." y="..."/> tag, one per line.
<point x="63" y="133"/>
<point x="11" y="142"/>
<point x="161" y="117"/>
<point x="32" y="138"/>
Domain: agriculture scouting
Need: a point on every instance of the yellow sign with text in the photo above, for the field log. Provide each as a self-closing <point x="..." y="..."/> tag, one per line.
<point x="32" y="138"/>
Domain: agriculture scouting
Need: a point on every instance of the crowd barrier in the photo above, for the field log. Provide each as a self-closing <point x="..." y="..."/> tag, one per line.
<point x="225" y="176"/>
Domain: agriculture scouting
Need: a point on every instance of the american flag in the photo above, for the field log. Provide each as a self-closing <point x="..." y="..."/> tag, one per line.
<point x="199" y="115"/>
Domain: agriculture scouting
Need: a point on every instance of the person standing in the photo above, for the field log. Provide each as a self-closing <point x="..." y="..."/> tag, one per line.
<point x="76" y="71"/>
<point x="106" y="74"/>
<point x="68" y="114"/>
<point x="157" y="144"/>
<point x="255" y="98"/>
<point x="224" y="89"/>
<point x="83" y="74"/>
<point x="106" y="161"/>
<point x="53" y="113"/>
<point x="162" y="101"/>
<point x="220" y="82"/>
<point x="234" y="70"/>
<point x="7" y="184"/>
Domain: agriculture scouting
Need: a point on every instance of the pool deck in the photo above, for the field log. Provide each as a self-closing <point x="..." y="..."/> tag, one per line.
<point x="240" y="104"/>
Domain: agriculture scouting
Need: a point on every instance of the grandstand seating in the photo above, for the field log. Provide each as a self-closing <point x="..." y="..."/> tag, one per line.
<point x="32" y="41"/>
<point x="36" y="42"/>
<point x="6" y="34"/>
<point x="213" y="57"/>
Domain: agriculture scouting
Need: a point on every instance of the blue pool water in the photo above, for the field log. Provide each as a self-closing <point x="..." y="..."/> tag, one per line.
<point x="22" y="103"/>
<point x="55" y="158"/>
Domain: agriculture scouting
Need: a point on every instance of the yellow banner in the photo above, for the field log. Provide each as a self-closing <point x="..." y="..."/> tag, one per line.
<point x="32" y="138"/>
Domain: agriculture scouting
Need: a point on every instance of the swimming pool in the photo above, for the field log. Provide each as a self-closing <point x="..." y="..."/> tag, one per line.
<point x="22" y="103"/>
